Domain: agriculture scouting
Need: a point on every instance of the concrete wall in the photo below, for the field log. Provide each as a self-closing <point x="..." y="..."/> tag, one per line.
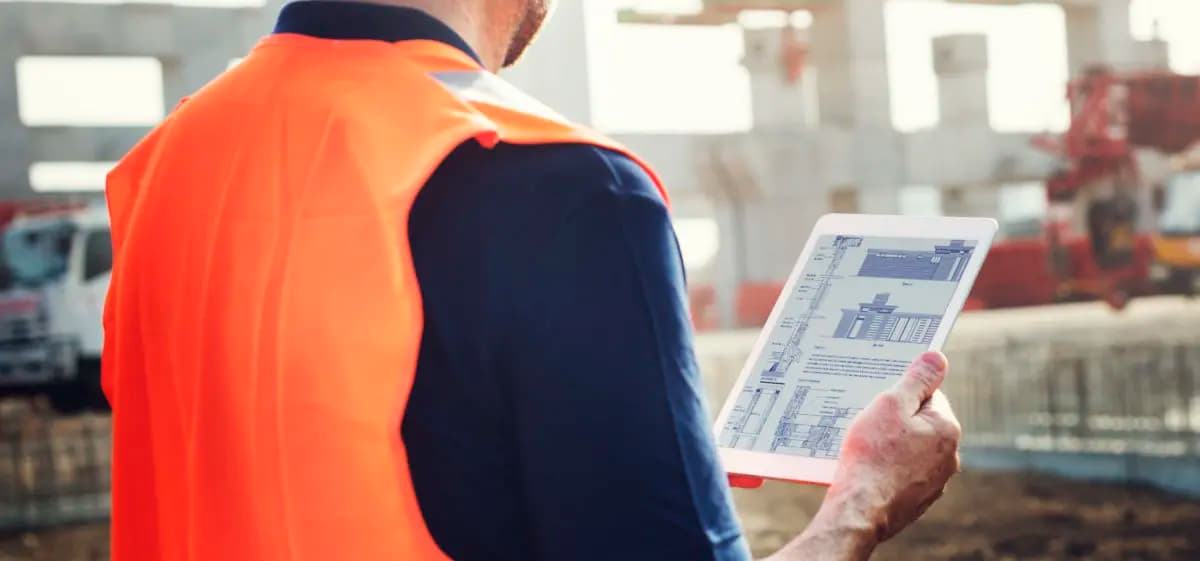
<point x="194" y="45"/>
<point x="767" y="186"/>
<point x="1098" y="32"/>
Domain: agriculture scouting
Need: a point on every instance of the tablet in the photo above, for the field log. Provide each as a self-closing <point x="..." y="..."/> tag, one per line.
<point x="868" y="295"/>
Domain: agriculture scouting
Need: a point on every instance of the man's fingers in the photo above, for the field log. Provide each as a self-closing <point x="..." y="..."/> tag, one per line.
<point x="940" y="414"/>
<point x="937" y="403"/>
<point x="921" y="381"/>
<point x="929" y="502"/>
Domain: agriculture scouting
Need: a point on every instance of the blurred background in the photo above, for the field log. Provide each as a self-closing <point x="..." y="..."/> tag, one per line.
<point x="1075" y="123"/>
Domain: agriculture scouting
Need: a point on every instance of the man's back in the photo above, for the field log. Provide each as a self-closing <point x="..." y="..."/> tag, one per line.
<point x="263" y="318"/>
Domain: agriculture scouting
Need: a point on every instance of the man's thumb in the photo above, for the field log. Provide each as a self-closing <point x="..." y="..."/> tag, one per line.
<point x="923" y="378"/>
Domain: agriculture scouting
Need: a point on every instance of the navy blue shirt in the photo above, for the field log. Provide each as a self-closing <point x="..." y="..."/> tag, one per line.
<point x="557" y="411"/>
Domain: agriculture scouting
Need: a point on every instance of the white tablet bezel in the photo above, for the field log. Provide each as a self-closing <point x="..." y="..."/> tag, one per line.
<point x="818" y="470"/>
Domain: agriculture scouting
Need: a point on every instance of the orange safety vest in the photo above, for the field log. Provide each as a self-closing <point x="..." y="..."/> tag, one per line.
<point x="264" y="318"/>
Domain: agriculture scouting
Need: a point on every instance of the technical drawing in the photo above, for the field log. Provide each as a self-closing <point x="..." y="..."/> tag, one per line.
<point x="810" y="435"/>
<point x="821" y="284"/>
<point x="944" y="263"/>
<point x="833" y="349"/>
<point x="749" y="416"/>
<point x="824" y="437"/>
<point x="796" y="402"/>
<point x="879" y="321"/>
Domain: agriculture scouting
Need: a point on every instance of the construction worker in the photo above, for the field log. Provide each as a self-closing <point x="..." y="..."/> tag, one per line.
<point x="371" y="302"/>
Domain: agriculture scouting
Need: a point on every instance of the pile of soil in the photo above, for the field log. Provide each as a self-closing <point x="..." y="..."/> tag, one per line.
<point x="983" y="517"/>
<point x="76" y="543"/>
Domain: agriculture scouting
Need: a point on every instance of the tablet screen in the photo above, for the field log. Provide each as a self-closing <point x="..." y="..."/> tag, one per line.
<point x="861" y="310"/>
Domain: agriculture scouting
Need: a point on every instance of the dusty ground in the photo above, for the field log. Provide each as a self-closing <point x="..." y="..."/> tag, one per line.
<point x="984" y="517"/>
<point x="78" y="543"/>
<point x="1003" y="517"/>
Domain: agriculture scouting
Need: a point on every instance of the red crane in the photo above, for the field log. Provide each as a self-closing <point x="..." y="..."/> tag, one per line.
<point x="1091" y="246"/>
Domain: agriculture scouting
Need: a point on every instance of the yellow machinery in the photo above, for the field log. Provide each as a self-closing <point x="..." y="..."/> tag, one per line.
<point x="1177" y="241"/>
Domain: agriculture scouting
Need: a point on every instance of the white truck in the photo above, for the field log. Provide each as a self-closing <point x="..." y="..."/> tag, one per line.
<point x="54" y="273"/>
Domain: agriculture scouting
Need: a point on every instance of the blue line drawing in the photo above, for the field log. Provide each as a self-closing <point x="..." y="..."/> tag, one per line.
<point x="944" y="263"/>
<point x="814" y="417"/>
<point x="823" y="439"/>
<point x="791" y="349"/>
<point x="749" y="415"/>
<point x="879" y="321"/>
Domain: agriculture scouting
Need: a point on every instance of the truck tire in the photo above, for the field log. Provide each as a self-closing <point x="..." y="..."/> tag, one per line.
<point x="1182" y="282"/>
<point x="88" y="384"/>
<point x="81" y="394"/>
<point x="1189" y="284"/>
<point x="65" y="398"/>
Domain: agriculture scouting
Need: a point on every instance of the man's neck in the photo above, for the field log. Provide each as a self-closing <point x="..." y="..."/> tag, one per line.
<point x="484" y="38"/>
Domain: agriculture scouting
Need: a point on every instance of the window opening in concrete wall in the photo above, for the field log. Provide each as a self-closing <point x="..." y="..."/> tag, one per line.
<point x="801" y="19"/>
<point x="89" y="91"/>
<point x="699" y="240"/>
<point x="679" y="79"/>
<point x="1027" y="67"/>
<point x="756" y="19"/>
<point x="1022" y="208"/>
<point x="920" y="200"/>
<point x="1173" y="21"/>
<point x="68" y="177"/>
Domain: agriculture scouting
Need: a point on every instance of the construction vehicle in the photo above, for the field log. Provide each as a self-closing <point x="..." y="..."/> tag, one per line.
<point x="55" y="265"/>
<point x="1177" y="242"/>
<point x="1101" y="235"/>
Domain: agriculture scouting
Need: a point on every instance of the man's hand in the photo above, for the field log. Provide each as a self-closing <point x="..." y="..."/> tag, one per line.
<point x="897" y="457"/>
<point x="900" y="452"/>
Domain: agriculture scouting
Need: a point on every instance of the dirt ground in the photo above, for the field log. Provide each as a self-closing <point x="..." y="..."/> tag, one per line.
<point x="983" y="517"/>
<point x="1007" y="517"/>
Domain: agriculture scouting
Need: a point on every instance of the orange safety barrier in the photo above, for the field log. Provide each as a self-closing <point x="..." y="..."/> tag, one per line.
<point x="755" y="301"/>
<point x="703" y="302"/>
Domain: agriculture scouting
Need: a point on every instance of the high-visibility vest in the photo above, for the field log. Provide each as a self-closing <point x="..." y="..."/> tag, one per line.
<point x="263" y="319"/>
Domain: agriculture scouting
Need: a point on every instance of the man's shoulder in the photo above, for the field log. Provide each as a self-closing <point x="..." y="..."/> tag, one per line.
<point x="554" y="172"/>
<point x="507" y="205"/>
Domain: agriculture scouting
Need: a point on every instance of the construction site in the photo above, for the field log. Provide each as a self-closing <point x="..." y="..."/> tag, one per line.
<point x="1075" y="371"/>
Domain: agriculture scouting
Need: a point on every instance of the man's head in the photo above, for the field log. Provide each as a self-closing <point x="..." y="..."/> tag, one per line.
<point x="524" y="22"/>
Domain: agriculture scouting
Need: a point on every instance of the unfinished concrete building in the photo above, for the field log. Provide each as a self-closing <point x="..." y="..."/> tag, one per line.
<point x="764" y="187"/>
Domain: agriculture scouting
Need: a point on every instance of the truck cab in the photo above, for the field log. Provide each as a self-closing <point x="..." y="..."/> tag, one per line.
<point x="1177" y="244"/>
<point x="54" y="273"/>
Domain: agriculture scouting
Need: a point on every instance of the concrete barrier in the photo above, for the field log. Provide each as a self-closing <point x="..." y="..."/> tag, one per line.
<point x="1075" y="390"/>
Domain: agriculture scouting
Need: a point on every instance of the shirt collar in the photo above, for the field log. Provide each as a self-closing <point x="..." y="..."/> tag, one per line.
<point x="337" y="19"/>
